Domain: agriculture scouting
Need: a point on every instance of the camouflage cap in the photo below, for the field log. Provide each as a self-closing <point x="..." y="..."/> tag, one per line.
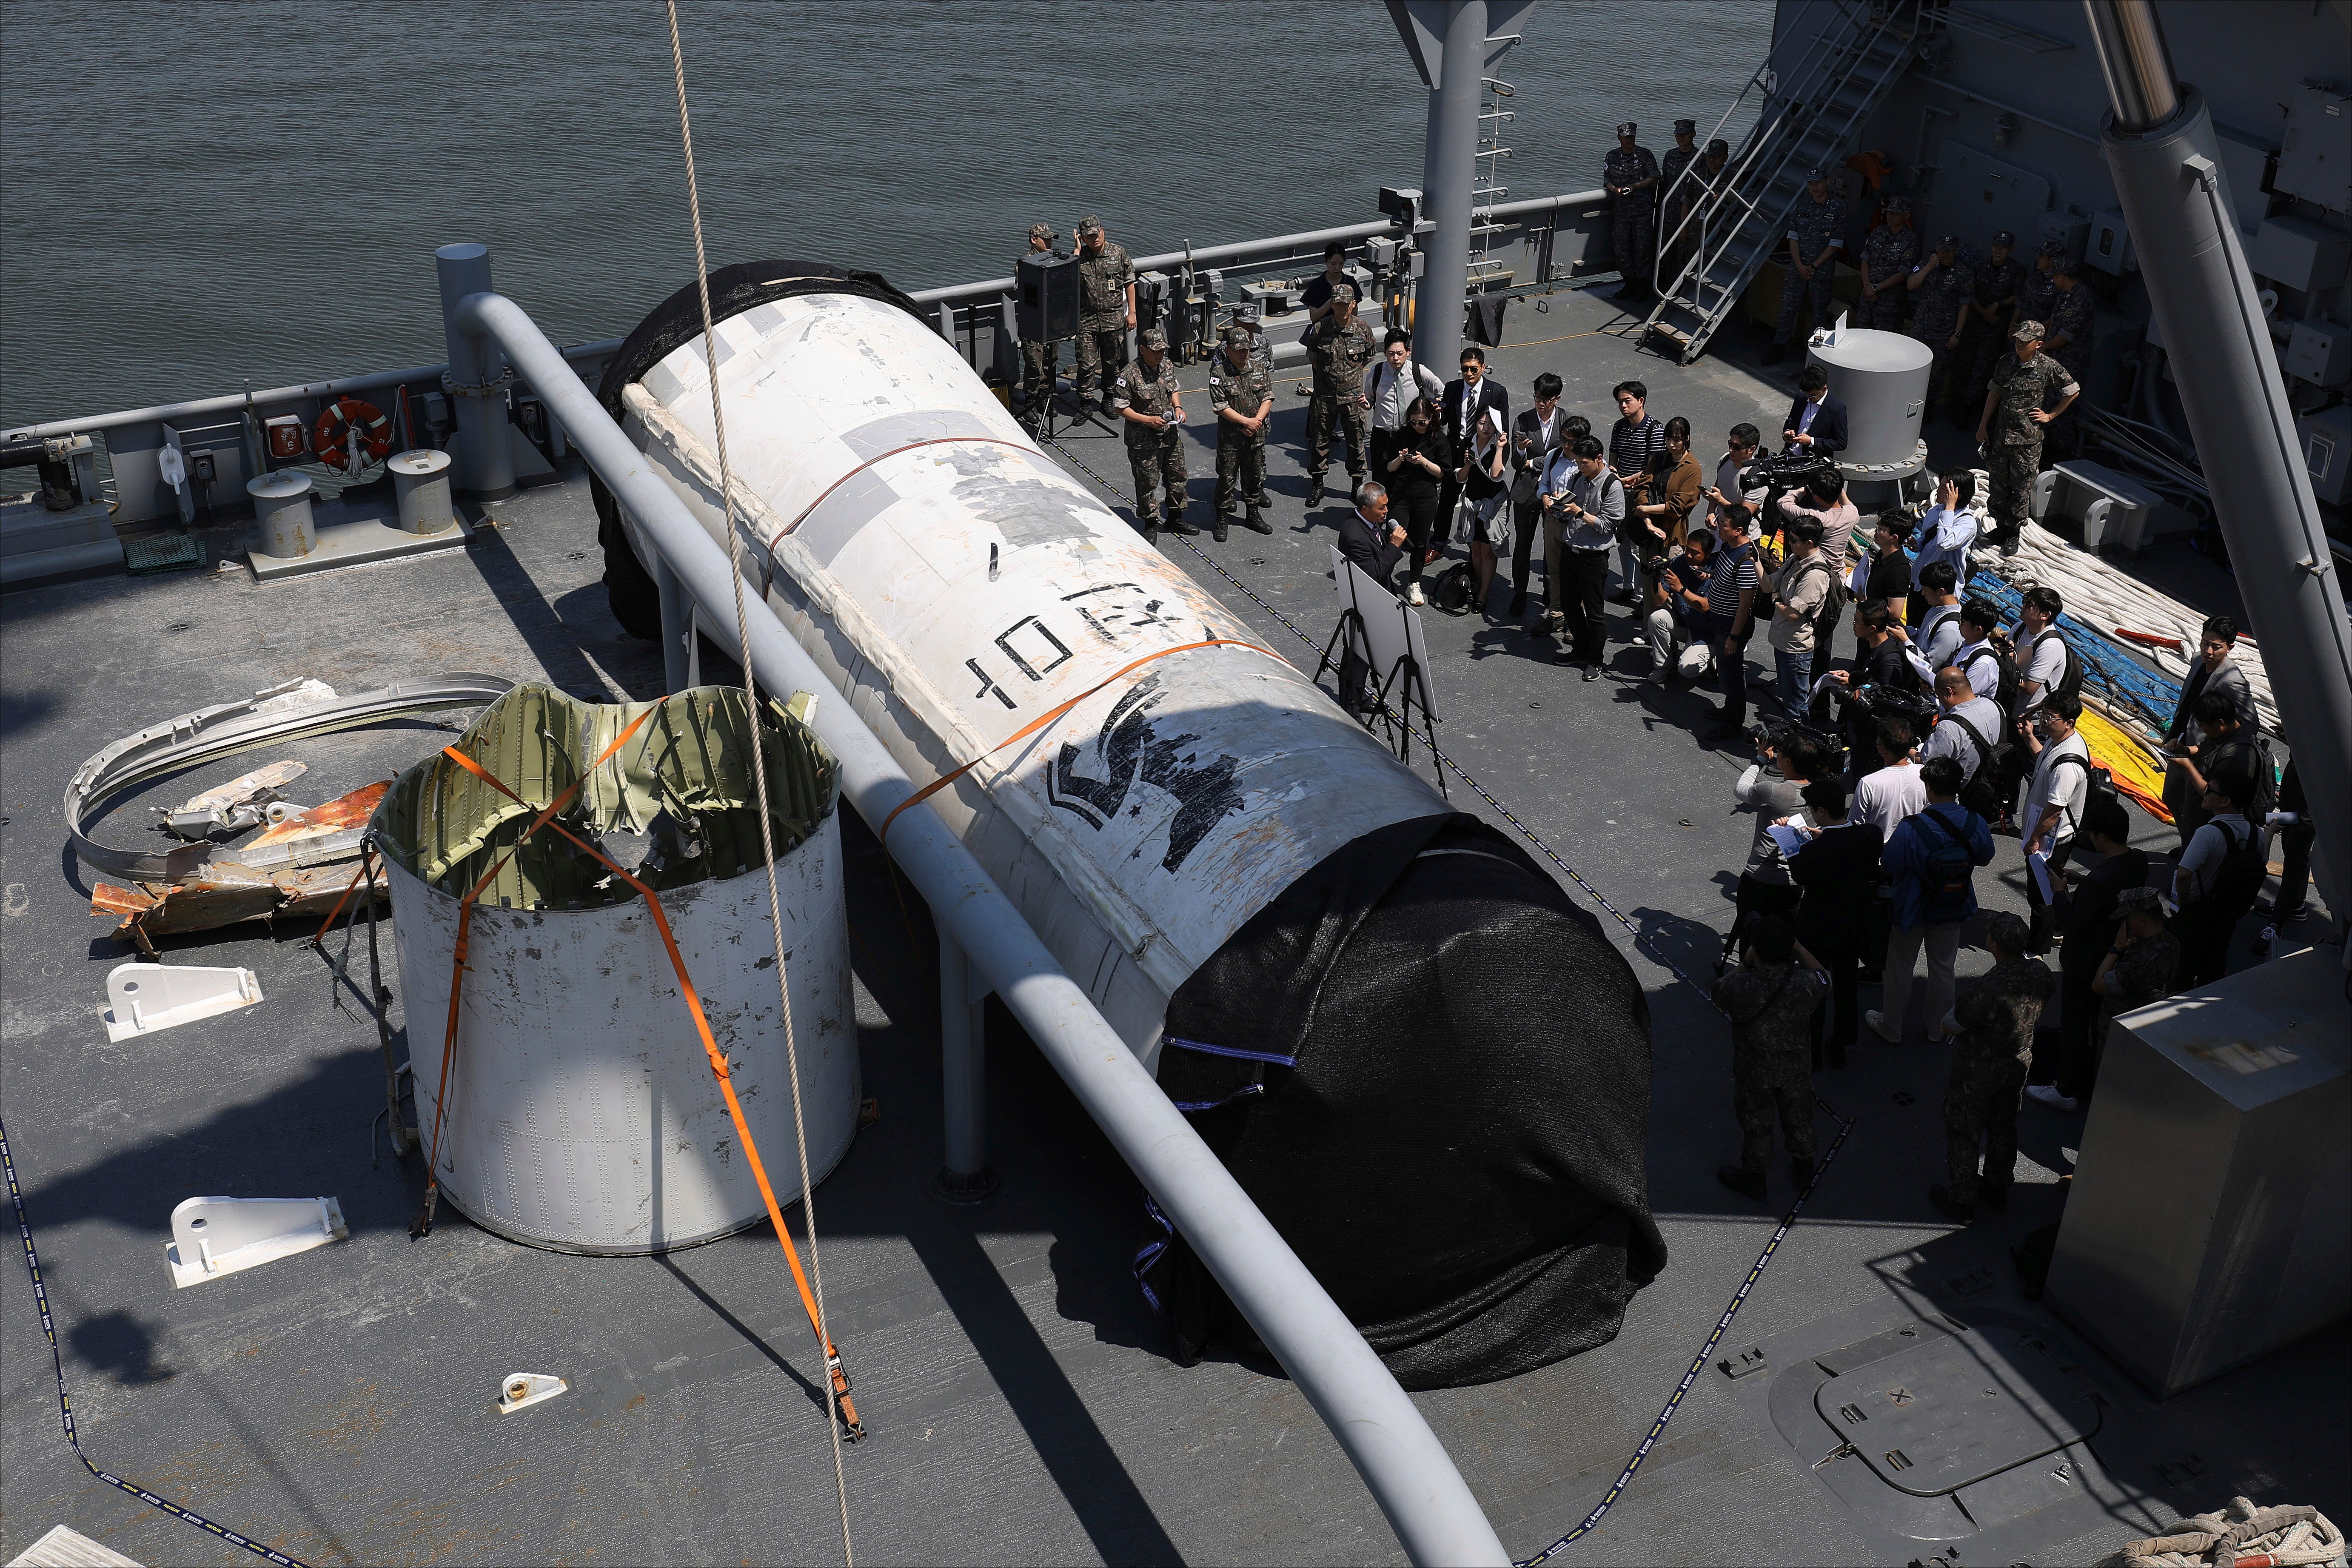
<point x="1044" y="231"/>
<point x="1817" y="173"/>
<point x="1898" y="205"/>
<point x="2029" y="332"/>
<point x="1238" y="337"/>
<point x="1627" y="129"/>
<point x="2053" y="249"/>
<point x="1685" y="127"/>
<point x="2142" y="901"/>
<point x="1343" y="293"/>
<point x="1153" y="338"/>
<point x="2003" y="237"/>
<point x="1090" y="224"/>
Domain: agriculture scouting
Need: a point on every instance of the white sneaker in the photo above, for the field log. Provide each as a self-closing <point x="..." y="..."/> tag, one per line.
<point x="1877" y="1021"/>
<point x="2047" y="1093"/>
<point x="1412" y="594"/>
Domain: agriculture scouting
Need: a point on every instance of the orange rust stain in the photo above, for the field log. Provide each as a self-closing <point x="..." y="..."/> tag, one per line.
<point x="106" y="898"/>
<point x="344" y="810"/>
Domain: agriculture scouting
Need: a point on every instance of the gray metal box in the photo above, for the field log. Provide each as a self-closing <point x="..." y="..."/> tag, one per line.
<point x="2300" y="254"/>
<point x="2111" y="508"/>
<point x="2315" y="162"/>
<point x="2326" y="438"/>
<point x="2210" y="1220"/>
<point x="2320" y="352"/>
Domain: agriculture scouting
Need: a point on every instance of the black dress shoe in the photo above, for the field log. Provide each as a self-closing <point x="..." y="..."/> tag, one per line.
<point x="1592" y="672"/>
<point x="1741" y="1180"/>
<point x="1775" y="354"/>
<point x="1518" y="604"/>
<point x="1255" y="521"/>
<point x="1941" y="1197"/>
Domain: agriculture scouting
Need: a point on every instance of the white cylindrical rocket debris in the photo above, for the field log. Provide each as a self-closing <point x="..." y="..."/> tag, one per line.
<point x="946" y="573"/>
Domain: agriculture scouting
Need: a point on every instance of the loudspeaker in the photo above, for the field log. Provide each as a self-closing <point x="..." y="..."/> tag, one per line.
<point x="1045" y="297"/>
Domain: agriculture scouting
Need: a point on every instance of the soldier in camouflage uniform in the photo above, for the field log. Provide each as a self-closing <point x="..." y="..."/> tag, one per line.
<point x="1996" y="1012"/>
<point x="2038" y="290"/>
<point x="1989" y="313"/>
<point x="2011" y="425"/>
<point x="1814" y="240"/>
<point x="1241" y="392"/>
<point x="1676" y="197"/>
<point x="1341" y="347"/>
<point x="1631" y="173"/>
<point x="1888" y="254"/>
<point x="1106" y="310"/>
<point x="1940" y="288"/>
<point x="1145" y="398"/>
<point x="1040" y="359"/>
<point x="1770" y="999"/>
<point x="2068" y="326"/>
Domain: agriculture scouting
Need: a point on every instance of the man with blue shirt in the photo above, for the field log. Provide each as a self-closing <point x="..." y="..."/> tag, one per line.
<point x="1929" y="867"/>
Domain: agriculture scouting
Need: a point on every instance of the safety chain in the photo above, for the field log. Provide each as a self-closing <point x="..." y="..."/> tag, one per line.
<point x="1845" y="1124"/>
<point x="65" y="1400"/>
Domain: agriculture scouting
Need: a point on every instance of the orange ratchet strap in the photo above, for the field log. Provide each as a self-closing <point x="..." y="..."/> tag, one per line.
<point x="853" y="1428"/>
<point x="1043" y="720"/>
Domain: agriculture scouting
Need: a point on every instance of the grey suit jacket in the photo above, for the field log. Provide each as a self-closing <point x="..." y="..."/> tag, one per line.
<point x="1528" y="424"/>
<point x="2229" y="679"/>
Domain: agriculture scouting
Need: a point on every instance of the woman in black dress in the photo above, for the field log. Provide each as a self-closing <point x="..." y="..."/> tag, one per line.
<point x="1484" y="482"/>
<point x="1409" y="460"/>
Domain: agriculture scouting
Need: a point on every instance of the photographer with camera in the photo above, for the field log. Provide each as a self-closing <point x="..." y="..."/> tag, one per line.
<point x="1579" y="491"/>
<point x="1824" y="498"/>
<point x="1786" y="759"/>
<point x="1726" y="495"/>
<point x="1805" y="580"/>
<point x="1682" y="618"/>
<point x="1883" y="680"/>
<point x="1663" y="495"/>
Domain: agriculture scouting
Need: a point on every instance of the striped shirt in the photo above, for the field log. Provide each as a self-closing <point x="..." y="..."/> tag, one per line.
<point x="1734" y="570"/>
<point x="1632" y="446"/>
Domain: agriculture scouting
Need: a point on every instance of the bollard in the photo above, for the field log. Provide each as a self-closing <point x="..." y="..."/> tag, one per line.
<point x="281" y="504"/>
<point x="420" y="479"/>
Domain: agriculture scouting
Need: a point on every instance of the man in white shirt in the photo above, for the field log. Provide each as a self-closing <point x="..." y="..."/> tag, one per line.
<point x="2053" y="800"/>
<point x="1396" y="379"/>
<point x="1977" y="659"/>
<point x="2042" y="652"/>
<point x="1969" y="730"/>
<point x="1724" y="495"/>
<point x="1892" y="793"/>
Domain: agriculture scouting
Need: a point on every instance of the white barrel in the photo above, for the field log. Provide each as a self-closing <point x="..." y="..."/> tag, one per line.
<point x="281" y="504"/>
<point x="959" y="586"/>
<point x="420" y="482"/>
<point x="1882" y="379"/>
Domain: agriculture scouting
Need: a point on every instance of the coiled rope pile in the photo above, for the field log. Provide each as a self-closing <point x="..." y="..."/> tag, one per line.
<point x="2240" y="1536"/>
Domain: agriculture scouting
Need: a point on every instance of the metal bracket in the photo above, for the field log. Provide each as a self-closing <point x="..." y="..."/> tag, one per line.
<point x="520" y="1390"/>
<point x="213" y="1236"/>
<point x="147" y="998"/>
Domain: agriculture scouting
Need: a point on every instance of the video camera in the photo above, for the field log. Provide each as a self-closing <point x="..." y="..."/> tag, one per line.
<point x="1778" y="733"/>
<point x="1783" y="473"/>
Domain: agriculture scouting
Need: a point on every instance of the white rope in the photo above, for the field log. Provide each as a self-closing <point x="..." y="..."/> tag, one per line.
<point x="760" y="782"/>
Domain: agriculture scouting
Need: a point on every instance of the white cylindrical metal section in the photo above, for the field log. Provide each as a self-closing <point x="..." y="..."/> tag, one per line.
<point x="420" y="481"/>
<point x="1882" y="379"/>
<point x="281" y="504"/>
<point x="583" y="1115"/>
<point x="877" y="481"/>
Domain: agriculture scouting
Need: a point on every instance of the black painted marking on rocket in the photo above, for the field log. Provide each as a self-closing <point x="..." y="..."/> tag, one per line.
<point x="1128" y="748"/>
<point x="1787" y="1221"/>
<point x="65" y="1400"/>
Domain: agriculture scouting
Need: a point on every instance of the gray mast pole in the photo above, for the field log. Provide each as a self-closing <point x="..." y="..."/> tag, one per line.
<point x="2161" y="150"/>
<point x="1449" y="172"/>
<point x="484" y="450"/>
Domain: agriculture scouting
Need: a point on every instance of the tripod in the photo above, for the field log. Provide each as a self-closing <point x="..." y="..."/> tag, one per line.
<point x="1039" y="415"/>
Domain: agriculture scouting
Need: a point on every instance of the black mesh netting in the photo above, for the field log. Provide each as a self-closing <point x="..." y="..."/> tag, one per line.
<point x="1432" y="1072"/>
<point x="628" y="587"/>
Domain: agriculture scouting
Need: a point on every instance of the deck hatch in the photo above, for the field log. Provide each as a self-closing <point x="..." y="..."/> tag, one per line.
<point x="1952" y="1411"/>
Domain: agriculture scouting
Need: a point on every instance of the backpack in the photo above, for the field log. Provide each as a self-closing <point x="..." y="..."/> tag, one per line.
<point x="2098" y="783"/>
<point x="1453" y="590"/>
<point x="2005" y="689"/>
<point x="1978" y="793"/>
<point x="1933" y="619"/>
<point x="2256" y="759"/>
<point x="2238" y="880"/>
<point x="1949" y="877"/>
<point x="2070" y="676"/>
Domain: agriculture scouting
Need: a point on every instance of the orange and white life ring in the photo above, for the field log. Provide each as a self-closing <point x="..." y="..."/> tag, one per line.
<point x="330" y="438"/>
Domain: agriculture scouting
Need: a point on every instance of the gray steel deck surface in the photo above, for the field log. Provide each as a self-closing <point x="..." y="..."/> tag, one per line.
<point x="339" y="1404"/>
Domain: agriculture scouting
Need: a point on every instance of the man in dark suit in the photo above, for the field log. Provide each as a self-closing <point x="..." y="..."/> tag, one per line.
<point x="1467" y="398"/>
<point x="1816" y="422"/>
<point x="1536" y="435"/>
<point x="1375" y="545"/>
<point x="2092" y="919"/>
<point x="1838" y="870"/>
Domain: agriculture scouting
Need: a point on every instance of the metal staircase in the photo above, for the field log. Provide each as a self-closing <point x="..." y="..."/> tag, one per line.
<point x="1812" y="116"/>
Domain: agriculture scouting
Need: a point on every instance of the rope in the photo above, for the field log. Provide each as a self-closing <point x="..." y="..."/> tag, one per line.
<point x="1845" y="1124"/>
<point x="836" y="1385"/>
<point x="65" y="1400"/>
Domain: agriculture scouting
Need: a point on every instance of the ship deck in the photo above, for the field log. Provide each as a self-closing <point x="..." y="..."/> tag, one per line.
<point x="1022" y="1402"/>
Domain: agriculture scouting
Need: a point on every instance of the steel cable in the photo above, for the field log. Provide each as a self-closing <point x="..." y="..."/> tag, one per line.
<point x="833" y="1380"/>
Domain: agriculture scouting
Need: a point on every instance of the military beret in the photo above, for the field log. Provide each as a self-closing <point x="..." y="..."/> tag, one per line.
<point x="1237" y="337"/>
<point x="1153" y="338"/>
<point x="1816" y="173"/>
<point x="1685" y="127"/>
<point x="1090" y="225"/>
<point x="2029" y="332"/>
<point x="1343" y="294"/>
<point x="1898" y="205"/>
<point x="2003" y="236"/>
<point x="2053" y="247"/>
<point x="1627" y="129"/>
<point x="1947" y="242"/>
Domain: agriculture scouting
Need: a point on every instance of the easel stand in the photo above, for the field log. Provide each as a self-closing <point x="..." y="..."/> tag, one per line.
<point x="1407" y="679"/>
<point x="1348" y="637"/>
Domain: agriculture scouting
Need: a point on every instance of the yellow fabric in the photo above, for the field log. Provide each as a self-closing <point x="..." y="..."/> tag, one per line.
<point x="2134" y="770"/>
